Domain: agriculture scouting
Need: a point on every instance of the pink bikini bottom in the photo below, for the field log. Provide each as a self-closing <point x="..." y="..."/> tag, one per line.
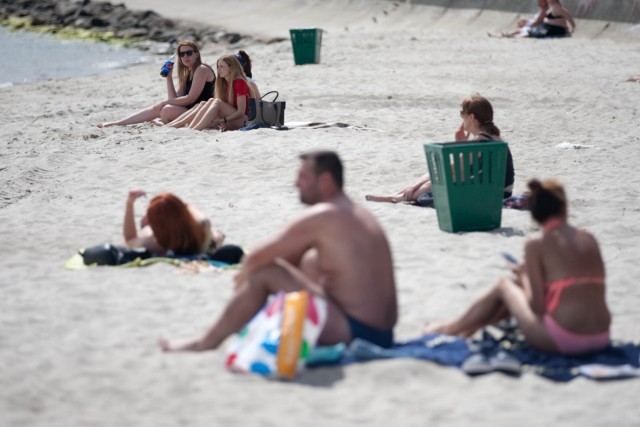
<point x="570" y="343"/>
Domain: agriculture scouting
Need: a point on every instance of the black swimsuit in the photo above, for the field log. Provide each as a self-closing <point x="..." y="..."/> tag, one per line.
<point x="552" y="16"/>
<point x="205" y="95"/>
<point x="378" y="337"/>
<point x="545" y="30"/>
<point x="509" y="178"/>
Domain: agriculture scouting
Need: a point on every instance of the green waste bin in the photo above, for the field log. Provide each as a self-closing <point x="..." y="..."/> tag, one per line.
<point x="306" y="45"/>
<point x="467" y="182"/>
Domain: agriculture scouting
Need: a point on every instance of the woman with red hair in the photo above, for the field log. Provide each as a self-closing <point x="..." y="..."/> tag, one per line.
<point x="170" y="225"/>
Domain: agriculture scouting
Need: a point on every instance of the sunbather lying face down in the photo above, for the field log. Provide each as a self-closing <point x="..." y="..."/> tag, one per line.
<point x="557" y="295"/>
<point x="477" y="119"/>
<point x="169" y="225"/>
<point x="335" y="249"/>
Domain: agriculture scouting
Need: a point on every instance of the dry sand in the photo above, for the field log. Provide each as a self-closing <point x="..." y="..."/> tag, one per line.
<point x="78" y="348"/>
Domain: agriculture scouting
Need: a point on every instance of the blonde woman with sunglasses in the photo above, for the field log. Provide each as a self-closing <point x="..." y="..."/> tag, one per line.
<point x="196" y="82"/>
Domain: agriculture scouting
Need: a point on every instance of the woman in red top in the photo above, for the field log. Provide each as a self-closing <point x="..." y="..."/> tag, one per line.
<point x="230" y="107"/>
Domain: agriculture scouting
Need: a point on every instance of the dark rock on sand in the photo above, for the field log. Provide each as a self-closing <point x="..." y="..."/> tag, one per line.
<point x="103" y="17"/>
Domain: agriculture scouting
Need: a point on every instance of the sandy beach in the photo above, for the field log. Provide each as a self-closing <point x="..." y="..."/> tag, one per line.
<point x="78" y="348"/>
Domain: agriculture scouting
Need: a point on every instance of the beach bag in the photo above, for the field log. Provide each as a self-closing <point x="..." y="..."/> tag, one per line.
<point x="108" y="254"/>
<point x="544" y="31"/>
<point x="265" y="113"/>
<point x="277" y="341"/>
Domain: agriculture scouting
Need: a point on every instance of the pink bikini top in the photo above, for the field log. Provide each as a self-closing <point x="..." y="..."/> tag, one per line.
<point x="553" y="223"/>
<point x="555" y="288"/>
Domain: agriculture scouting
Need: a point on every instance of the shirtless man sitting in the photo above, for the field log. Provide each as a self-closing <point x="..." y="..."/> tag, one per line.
<point x="336" y="249"/>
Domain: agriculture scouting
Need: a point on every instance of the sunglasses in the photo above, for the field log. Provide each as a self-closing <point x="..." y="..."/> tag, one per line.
<point x="185" y="53"/>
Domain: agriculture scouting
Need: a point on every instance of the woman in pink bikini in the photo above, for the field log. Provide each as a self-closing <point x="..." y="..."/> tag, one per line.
<point x="558" y="293"/>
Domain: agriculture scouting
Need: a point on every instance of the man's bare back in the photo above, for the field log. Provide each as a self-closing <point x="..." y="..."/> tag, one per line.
<point x="354" y="261"/>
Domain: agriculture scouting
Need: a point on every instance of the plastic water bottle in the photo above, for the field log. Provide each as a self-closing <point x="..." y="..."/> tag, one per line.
<point x="167" y="66"/>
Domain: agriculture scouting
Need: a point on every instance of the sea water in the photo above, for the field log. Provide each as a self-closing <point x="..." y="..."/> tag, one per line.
<point x="29" y="57"/>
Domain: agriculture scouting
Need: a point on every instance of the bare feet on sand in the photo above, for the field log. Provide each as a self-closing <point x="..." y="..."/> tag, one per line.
<point x="434" y="328"/>
<point x="164" y="344"/>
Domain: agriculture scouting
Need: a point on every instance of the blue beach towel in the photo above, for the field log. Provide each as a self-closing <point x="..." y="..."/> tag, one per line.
<point x="517" y="201"/>
<point x="619" y="360"/>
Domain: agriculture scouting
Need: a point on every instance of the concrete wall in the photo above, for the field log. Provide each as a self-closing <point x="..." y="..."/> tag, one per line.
<point x="602" y="10"/>
<point x="474" y="17"/>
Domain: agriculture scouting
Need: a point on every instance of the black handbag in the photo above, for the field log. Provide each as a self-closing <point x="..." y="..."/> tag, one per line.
<point x="108" y="254"/>
<point x="266" y="113"/>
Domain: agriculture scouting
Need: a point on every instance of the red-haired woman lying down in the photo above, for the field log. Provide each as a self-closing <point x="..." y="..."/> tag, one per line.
<point x="170" y="225"/>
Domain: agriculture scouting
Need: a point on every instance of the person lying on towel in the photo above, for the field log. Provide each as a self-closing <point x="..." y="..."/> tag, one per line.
<point x="169" y="225"/>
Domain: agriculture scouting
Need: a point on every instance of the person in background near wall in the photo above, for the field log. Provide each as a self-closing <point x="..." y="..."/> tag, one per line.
<point x="553" y="20"/>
